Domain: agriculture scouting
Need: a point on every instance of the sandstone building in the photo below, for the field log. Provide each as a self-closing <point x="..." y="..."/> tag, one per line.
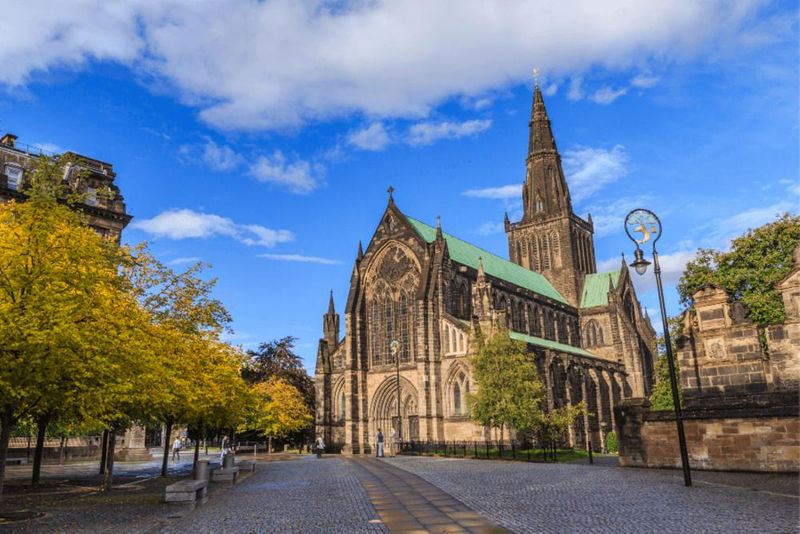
<point x="427" y="290"/>
<point x="88" y="176"/>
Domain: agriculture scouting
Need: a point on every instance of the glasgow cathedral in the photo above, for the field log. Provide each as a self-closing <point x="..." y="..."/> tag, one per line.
<point x="418" y="295"/>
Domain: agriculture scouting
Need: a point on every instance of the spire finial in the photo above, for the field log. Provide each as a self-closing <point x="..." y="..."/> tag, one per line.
<point x="480" y="268"/>
<point x="390" y="191"/>
<point x="536" y="73"/>
<point x="360" y="251"/>
<point x="331" y="309"/>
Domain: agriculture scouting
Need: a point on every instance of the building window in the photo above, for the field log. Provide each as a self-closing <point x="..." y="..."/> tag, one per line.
<point x="342" y="406"/>
<point x="14" y="174"/>
<point x="539" y="204"/>
<point x="91" y="196"/>
<point x="456" y="399"/>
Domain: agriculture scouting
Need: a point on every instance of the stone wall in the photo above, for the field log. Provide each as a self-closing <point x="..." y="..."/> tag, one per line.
<point x="734" y="439"/>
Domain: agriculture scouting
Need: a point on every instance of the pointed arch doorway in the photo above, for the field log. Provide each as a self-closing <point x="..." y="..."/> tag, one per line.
<point x="383" y="409"/>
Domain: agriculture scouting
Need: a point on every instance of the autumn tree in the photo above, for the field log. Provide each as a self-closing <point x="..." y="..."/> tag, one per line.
<point x="749" y="271"/>
<point x="188" y="321"/>
<point x="57" y="278"/>
<point x="277" y="359"/>
<point x="509" y="389"/>
<point x="279" y="409"/>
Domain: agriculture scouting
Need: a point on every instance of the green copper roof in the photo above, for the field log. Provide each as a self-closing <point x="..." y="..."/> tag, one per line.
<point x="466" y="254"/>
<point x="547" y="344"/>
<point x="595" y="288"/>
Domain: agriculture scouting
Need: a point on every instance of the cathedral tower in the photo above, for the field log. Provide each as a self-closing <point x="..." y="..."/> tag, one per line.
<point x="550" y="238"/>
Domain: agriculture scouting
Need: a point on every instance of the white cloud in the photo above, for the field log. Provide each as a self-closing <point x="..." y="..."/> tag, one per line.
<point x="721" y="232"/>
<point x="490" y="228"/>
<point x="265" y="65"/>
<point x="220" y="158"/>
<point x="426" y="133"/>
<point x="298" y="176"/>
<point x="607" y="94"/>
<point x="644" y="81"/>
<point x="609" y="217"/>
<point x="187" y="224"/>
<point x="550" y="89"/>
<point x="183" y="261"/>
<point x="575" y="91"/>
<point x="589" y="169"/>
<point x="501" y="193"/>
<point x="374" y="137"/>
<point x="299" y="258"/>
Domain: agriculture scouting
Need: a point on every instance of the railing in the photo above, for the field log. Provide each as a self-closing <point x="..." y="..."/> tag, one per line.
<point x="493" y="449"/>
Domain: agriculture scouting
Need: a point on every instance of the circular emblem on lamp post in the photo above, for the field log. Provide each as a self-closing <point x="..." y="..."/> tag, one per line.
<point x="645" y="223"/>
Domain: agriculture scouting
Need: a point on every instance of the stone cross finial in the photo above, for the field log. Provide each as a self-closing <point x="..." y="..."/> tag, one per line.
<point x="390" y="191"/>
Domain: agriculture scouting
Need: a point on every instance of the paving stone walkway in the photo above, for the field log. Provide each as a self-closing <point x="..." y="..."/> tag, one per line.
<point x="582" y="498"/>
<point x="300" y="495"/>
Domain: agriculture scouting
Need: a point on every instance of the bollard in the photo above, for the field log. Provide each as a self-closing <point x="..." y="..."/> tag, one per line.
<point x="228" y="461"/>
<point x="201" y="470"/>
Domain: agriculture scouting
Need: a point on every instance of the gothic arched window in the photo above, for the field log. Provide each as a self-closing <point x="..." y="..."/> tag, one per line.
<point x="556" y="250"/>
<point x="459" y="391"/>
<point x="539" y="203"/>
<point x="342" y="406"/>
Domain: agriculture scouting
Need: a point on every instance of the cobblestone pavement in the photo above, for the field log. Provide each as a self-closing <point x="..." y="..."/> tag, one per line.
<point x="572" y="498"/>
<point x="302" y="495"/>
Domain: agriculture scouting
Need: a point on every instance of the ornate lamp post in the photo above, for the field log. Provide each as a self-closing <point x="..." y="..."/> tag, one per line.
<point x="394" y="347"/>
<point x="646" y="223"/>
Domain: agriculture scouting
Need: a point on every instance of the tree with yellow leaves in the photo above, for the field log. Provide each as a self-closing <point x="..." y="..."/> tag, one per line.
<point x="278" y="410"/>
<point x="57" y="281"/>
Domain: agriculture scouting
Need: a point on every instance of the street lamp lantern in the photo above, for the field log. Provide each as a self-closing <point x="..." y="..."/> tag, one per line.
<point x="647" y="224"/>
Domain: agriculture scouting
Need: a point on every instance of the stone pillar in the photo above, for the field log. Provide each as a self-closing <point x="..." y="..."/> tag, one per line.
<point x="600" y="416"/>
<point x="568" y="395"/>
<point x="630" y="418"/>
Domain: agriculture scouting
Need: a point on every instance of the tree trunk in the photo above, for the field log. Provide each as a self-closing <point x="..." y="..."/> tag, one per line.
<point x="165" y="459"/>
<point x="5" y="436"/>
<point x="196" y="457"/>
<point x="109" y="474"/>
<point x="269" y="445"/>
<point x="103" y="452"/>
<point x="41" y="431"/>
<point x="61" y="450"/>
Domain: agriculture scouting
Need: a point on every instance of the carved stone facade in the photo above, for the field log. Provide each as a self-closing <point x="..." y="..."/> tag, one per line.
<point x="428" y="292"/>
<point x="89" y="176"/>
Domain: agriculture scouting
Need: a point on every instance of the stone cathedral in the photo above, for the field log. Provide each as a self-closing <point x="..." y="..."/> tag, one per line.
<point x="417" y="295"/>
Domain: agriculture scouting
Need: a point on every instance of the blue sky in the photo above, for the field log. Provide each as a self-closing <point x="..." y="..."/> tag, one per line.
<point x="260" y="137"/>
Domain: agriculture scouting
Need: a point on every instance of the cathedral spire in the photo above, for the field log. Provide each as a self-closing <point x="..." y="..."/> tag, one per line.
<point x="541" y="134"/>
<point x="439" y="236"/>
<point x="330" y="324"/>
<point x="360" y="255"/>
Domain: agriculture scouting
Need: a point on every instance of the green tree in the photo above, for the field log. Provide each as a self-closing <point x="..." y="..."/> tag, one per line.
<point x="661" y="395"/>
<point x="509" y="389"/>
<point x="749" y="271"/>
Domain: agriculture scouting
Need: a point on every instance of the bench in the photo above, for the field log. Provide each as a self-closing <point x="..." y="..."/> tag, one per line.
<point x="225" y="474"/>
<point x="189" y="492"/>
<point x="246" y="465"/>
<point x="16" y="461"/>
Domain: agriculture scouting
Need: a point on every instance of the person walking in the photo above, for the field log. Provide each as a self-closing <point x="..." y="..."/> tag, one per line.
<point x="319" y="446"/>
<point x="379" y="443"/>
<point x="176" y="449"/>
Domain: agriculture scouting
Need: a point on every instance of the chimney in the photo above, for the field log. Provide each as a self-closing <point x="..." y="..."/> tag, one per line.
<point x="8" y="139"/>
